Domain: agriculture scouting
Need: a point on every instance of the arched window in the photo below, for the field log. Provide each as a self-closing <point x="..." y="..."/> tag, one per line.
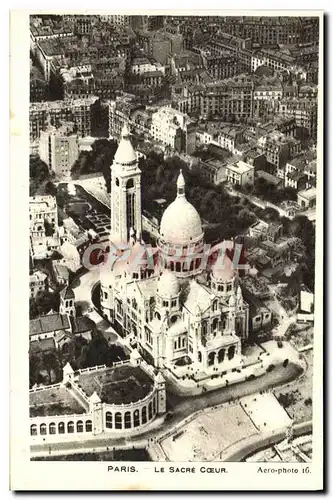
<point x="42" y="429"/>
<point x="70" y="427"/>
<point x="150" y="410"/>
<point x="221" y="355"/>
<point x="33" y="430"/>
<point x="52" y="428"/>
<point x="157" y="315"/>
<point x="197" y="263"/>
<point x="215" y="324"/>
<point x="173" y="318"/>
<point x="128" y="420"/>
<point x="211" y="358"/>
<point x="178" y="267"/>
<point x="231" y="352"/>
<point x="108" y="419"/>
<point x="215" y="303"/>
<point x="136" y="418"/>
<point x="199" y="357"/>
<point x="130" y="183"/>
<point x="79" y="426"/>
<point x="144" y="415"/>
<point x="61" y="428"/>
<point x="117" y="181"/>
<point x="88" y="426"/>
<point x="118" y="420"/>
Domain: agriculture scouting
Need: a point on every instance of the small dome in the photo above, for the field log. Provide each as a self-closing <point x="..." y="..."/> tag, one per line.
<point x="223" y="270"/>
<point x="125" y="154"/>
<point x="168" y="285"/>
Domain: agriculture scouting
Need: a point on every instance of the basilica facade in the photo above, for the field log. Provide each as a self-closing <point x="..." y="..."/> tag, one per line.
<point x="176" y="307"/>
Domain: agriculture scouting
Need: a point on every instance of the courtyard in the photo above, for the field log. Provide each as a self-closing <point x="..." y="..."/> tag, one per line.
<point x="54" y="401"/>
<point x="120" y="385"/>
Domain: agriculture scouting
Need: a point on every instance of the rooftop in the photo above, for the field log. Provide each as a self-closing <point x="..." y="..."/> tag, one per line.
<point x="240" y="167"/>
<point x="49" y="323"/>
<point x="308" y="193"/>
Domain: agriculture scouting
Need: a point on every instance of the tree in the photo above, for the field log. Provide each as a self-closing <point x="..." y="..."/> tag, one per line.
<point x="46" y="301"/>
<point x="50" y="188"/>
<point x="35" y="368"/>
<point x="38" y="174"/>
<point x="33" y="309"/>
<point x="52" y="366"/>
<point x="246" y="217"/>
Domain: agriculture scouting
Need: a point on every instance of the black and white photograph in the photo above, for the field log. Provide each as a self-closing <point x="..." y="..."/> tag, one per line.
<point x="173" y="310"/>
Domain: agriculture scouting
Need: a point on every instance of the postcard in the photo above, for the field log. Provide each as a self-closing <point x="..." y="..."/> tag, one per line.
<point x="166" y="270"/>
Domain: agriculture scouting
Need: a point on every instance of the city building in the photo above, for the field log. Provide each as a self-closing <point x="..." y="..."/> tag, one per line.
<point x="271" y="179"/>
<point x="120" y="400"/>
<point x="141" y="65"/>
<point x="273" y="31"/>
<point x="232" y="97"/>
<point x="38" y="282"/>
<point x="59" y="149"/>
<point x="240" y="173"/>
<point x="230" y="137"/>
<point x="44" y="231"/>
<point x="61" y="274"/>
<point x="278" y="149"/>
<point x="304" y="112"/>
<point x="212" y="170"/>
<point x="307" y="198"/>
<point x="262" y="230"/>
<point x="78" y="111"/>
<point x="173" y="129"/>
<point x="301" y="170"/>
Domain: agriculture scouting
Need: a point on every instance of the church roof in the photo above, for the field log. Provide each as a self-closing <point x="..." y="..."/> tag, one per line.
<point x="49" y="323"/>
<point x="67" y="293"/>
<point x="168" y="285"/>
<point x="180" y="222"/>
<point x="197" y="296"/>
<point x="125" y="154"/>
<point x="223" y="269"/>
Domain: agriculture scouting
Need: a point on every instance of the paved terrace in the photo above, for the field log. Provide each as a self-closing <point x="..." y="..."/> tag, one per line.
<point x="120" y="385"/>
<point x="208" y="434"/>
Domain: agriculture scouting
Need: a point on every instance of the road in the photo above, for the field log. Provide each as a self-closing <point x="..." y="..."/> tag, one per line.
<point x="83" y="287"/>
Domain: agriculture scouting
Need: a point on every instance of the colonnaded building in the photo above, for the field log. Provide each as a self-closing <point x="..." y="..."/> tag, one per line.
<point x="179" y="311"/>
<point x="123" y="399"/>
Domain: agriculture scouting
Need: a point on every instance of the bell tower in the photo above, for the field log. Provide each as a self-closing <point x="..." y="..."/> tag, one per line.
<point x="125" y="191"/>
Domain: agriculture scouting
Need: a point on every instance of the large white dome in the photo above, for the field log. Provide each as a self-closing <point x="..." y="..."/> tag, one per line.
<point x="181" y="222"/>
